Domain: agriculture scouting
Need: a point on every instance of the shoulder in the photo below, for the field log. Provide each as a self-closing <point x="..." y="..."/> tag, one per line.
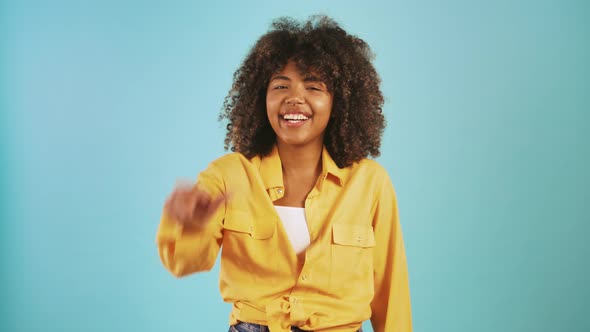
<point x="233" y="164"/>
<point x="370" y="164"/>
<point x="372" y="176"/>
<point x="226" y="168"/>
<point x="369" y="168"/>
<point x="229" y="160"/>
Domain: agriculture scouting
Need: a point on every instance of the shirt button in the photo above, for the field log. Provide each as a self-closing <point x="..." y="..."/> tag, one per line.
<point x="304" y="277"/>
<point x="280" y="191"/>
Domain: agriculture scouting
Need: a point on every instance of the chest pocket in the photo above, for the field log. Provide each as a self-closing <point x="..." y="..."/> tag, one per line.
<point x="352" y="255"/>
<point x="243" y="222"/>
<point x="249" y="244"/>
<point x="353" y="235"/>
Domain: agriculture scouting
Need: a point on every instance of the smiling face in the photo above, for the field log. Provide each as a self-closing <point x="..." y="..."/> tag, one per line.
<point x="298" y="106"/>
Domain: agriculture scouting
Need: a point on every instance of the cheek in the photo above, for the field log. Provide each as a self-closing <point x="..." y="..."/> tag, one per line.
<point x="272" y="105"/>
<point x="272" y="110"/>
<point x="324" y="107"/>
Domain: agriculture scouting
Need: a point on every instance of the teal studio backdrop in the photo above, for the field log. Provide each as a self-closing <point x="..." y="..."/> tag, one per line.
<point x="104" y="104"/>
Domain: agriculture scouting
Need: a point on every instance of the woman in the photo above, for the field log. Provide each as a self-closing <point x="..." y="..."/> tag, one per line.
<point x="308" y="225"/>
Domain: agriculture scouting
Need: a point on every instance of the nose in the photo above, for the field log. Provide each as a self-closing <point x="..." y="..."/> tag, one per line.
<point x="295" y="96"/>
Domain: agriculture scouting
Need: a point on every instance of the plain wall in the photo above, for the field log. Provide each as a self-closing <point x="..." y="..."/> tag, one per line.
<point x="104" y="104"/>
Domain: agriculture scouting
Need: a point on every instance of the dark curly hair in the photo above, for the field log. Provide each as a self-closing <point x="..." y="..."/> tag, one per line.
<point x="343" y="62"/>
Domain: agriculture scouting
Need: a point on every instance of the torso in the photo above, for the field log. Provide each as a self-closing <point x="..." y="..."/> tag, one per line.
<point x="296" y="190"/>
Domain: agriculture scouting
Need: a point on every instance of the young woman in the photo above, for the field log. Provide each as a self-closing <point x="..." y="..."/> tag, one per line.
<point x="308" y="225"/>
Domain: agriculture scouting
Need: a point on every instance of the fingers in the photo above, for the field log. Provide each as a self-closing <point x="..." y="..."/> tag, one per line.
<point x="185" y="203"/>
<point x="213" y="205"/>
<point x="193" y="206"/>
<point x="182" y="183"/>
<point x="202" y="200"/>
<point x="169" y="200"/>
<point x="181" y="198"/>
<point x="179" y="205"/>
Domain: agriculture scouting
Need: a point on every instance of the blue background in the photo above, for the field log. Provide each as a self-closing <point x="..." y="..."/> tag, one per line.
<point x="104" y="104"/>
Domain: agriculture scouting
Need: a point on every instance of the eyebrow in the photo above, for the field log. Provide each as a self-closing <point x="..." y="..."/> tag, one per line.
<point x="308" y="78"/>
<point x="312" y="78"/>
<point x="285" y="78"/>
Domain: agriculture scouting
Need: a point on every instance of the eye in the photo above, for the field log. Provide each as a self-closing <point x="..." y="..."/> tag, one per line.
<point x="279" y="87"/>
<point x="314" y="88"/>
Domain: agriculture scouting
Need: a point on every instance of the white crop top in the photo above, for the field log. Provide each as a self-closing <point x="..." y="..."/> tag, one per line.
<point x="295" y="225"/>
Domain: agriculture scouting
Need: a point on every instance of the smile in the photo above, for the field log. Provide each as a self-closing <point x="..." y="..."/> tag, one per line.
<point x="294" y="119"/>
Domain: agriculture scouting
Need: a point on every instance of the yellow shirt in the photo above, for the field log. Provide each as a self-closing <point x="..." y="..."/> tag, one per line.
<point x="354" y="269"/>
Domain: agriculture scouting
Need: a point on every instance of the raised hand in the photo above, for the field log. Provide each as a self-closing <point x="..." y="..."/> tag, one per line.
<point x="192" y="207"/>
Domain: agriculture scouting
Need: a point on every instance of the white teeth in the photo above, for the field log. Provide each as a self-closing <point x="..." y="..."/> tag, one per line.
<point x="295" y="117"/>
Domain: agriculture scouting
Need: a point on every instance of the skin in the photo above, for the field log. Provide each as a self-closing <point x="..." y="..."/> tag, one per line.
<point x="291" y="92"/>
<point x="191" y="206"/>
<point x="300" y="147"/>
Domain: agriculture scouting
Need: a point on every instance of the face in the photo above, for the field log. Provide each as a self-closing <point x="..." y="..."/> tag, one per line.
<point x="298" y="107"/>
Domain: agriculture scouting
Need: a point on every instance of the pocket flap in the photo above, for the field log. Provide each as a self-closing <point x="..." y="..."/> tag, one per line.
<point x="353" y="235"/>
<point x="243" y="222"/>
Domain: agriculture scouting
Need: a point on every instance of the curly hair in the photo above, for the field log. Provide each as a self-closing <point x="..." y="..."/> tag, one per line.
<point x="343" y="62"/>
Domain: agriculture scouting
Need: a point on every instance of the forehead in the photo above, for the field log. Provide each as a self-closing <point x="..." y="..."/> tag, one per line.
<point x="294" y="68"/>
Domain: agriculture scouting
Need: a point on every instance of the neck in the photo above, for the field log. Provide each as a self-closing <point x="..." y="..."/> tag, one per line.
<point x="301" y="160"/>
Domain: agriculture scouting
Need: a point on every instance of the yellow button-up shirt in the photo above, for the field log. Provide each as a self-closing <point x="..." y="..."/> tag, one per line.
<point x="354" y="269"/>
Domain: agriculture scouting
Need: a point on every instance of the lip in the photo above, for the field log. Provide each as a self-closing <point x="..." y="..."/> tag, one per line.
<point x="295" y="112"/>
<point x="293" y="124"/>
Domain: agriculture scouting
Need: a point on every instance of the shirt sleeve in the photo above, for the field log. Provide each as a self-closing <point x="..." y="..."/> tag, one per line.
<point x="184" y="251"/>
<point x="391" y="309"/>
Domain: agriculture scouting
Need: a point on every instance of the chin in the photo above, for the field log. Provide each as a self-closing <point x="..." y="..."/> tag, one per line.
<point x="293" y="140"/>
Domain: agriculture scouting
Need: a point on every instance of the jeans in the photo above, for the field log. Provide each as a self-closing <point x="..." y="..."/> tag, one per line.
<point x="251" y="327"/>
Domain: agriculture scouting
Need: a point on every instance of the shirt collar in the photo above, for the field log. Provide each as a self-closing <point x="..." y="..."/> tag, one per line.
<point x="272" y="173"/>
<point x="271" y="169"/>
<point x="329" y="167"/>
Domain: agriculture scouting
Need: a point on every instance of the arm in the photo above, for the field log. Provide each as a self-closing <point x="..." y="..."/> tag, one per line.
<point x="185" y="250"/>
<point x="391" y="305"/>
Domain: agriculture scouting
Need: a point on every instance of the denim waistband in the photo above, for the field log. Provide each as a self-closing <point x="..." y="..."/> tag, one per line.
<point x="251" y="327"/>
